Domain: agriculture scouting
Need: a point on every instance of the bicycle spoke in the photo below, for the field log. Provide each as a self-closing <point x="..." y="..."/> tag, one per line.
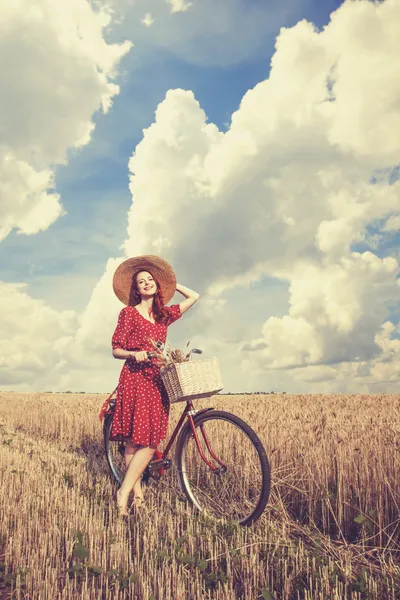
<point x="235" y="492"/>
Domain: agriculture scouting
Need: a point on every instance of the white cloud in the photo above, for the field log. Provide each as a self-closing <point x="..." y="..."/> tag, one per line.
<point x="57" y="71"/>
<point x="99" y="317"/>
<point x="378" y="375"/>
<point x="365" y="115"/>
<point x="336" y="311"/>
<point x="25" y="201"/>
<point x="33" y="339"/>
<point x="88" y="356"/>
<point x="285" y="191"/>
<point x="42" y="348"/>
<point x="392" y="224"/>
<point x="179" y="5"/>
<point x="147" y="20"/>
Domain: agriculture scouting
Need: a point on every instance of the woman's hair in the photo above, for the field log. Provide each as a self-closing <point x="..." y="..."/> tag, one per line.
<point x="159" y="312"/>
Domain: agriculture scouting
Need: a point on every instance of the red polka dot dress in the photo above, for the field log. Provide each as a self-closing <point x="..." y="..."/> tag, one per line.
<point x="142" y="405"/>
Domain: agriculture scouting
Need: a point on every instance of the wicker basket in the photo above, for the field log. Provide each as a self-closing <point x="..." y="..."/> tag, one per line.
<point x="192" y="379"/>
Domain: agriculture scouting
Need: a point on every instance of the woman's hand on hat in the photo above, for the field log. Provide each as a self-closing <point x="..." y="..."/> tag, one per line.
<point x="187" y="292"/>
<point x="140" y="356"/>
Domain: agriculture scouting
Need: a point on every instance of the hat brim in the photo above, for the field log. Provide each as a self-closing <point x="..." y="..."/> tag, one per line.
<point x="123" y="284"/>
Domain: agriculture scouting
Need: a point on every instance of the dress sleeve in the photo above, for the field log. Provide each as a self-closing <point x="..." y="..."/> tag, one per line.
<point x="174" y="313"/>
<point x="123" y="329"/>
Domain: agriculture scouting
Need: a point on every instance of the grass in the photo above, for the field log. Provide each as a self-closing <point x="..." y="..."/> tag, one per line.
<point x="331" y="529"/>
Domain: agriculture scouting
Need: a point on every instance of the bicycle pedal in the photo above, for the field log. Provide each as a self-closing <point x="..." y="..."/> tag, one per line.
<point x="220" y="471"/>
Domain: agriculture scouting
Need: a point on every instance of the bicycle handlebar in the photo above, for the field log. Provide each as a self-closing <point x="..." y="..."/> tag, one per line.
<point x="153" y="354"/>
<point x="149" y="355"/>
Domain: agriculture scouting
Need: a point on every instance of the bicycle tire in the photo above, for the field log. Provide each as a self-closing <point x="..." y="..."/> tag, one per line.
<point x="109" y="447"/>
<point x="189" y="489"/>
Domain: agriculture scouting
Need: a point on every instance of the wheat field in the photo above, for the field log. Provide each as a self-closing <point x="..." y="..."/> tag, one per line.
<point x="331" y="529"/>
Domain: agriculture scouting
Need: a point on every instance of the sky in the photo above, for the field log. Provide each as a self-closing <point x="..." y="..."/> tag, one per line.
<point x="253" y="144"/>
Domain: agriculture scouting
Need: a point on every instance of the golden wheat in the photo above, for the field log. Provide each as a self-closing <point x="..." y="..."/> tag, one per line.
<point x="331" y="530"/>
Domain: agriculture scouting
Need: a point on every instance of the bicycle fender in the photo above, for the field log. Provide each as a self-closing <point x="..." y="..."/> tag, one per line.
<point x="202" y="411"/>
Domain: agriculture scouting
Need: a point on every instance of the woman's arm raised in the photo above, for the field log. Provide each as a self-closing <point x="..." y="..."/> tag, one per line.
<point x="190" y="295"/>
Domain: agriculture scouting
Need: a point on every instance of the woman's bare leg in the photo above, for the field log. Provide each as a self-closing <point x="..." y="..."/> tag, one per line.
<point x="130" y="451"/>
<point x="137" y="465"/>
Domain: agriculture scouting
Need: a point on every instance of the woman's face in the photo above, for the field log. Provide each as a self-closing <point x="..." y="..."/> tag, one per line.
<point x="146" y="285"/>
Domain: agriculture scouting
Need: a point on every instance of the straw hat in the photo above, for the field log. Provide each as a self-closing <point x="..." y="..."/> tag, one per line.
<point x="158" y="267"/>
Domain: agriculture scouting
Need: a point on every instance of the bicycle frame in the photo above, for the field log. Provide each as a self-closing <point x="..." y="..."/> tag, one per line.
<point x="188" y="412"/>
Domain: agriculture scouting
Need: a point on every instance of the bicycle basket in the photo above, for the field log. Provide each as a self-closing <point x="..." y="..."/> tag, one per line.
<point x="190" y="380"/>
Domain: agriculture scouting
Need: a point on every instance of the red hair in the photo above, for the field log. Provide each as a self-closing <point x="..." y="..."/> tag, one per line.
<point x="158" y="310"/>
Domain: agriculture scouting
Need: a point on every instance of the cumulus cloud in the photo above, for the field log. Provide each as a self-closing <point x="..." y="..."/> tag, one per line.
<point x="45" y="349"/>
<point x="25" y="200"/>
<point x="335" y="313"/>
<point x="369" y="32"/>
<point x="275" y="181"/>
<point x="381" y="374"/>
<point x="33" y="339"/>
<point x="88" y="358"/>
<point x="57" y="71"/>
<point x="287" y="190"/>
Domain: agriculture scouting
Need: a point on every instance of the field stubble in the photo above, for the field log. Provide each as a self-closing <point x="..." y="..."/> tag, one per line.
<point x="331" y="529"/>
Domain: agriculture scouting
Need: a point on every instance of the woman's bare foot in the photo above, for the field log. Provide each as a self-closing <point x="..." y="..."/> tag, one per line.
<point x="138" y="496"/>
<point x="122" y="504"/>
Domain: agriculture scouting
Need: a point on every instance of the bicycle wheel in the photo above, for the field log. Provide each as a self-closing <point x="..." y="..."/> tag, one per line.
<point x="239" y="489"/>
<point x="115" y="451"/>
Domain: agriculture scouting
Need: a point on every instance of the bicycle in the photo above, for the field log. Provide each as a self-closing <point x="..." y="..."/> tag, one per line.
<point x="234" y="483"/>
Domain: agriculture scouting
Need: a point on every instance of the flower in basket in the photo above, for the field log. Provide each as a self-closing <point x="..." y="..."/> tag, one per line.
<point x="166" y="355"/>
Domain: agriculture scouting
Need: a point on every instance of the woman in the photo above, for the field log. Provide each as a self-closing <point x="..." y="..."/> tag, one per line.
<point x="145" y="284"/>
